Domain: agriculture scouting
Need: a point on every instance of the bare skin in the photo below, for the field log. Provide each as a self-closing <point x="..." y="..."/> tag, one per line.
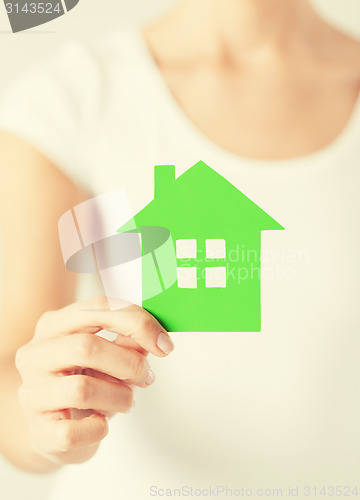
<point x="262" y="78"/>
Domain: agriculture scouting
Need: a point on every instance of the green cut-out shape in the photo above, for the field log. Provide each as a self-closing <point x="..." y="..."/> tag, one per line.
<point x="201" y="205"/>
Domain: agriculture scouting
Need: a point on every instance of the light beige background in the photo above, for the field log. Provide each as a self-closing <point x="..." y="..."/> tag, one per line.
<point x="90" y="19"/>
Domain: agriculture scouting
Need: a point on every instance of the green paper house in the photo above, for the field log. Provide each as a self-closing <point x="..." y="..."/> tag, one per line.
<point x="201" y="242"/>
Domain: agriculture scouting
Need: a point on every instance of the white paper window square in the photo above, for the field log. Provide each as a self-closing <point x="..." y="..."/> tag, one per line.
<point x="215" y="277"/>
<point x="186" y="277"/>
<point x="186" y="249"/>
<point x="215" y="249"/>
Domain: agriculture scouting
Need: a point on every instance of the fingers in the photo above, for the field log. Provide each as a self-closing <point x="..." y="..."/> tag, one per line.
<point x="93" y="315"/>
<point x="90" y="351"/>
<point x="61" y="437"/>
<point x="78" y="391"/>
<point x="66" y="413"/>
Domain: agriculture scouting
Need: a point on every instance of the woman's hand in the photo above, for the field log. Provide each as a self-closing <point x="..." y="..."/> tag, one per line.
<point x="73" y="380"/>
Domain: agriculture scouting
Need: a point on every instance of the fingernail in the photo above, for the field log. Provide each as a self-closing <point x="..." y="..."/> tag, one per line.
<point x="164" y="343"/>
<point x="150" y="377"/>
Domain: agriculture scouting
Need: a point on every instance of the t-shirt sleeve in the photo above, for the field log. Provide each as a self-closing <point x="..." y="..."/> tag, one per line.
<point x="52" y="107"/>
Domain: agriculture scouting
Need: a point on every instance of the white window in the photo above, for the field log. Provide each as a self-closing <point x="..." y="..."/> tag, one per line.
<point x="186" y="249"/>
<point x="186" y="277"/>
<point x="215" y="249"/>
<point x="215" y="277"/>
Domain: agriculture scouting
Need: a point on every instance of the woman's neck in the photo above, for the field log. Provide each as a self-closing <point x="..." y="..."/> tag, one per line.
<point x="237" y="29"/>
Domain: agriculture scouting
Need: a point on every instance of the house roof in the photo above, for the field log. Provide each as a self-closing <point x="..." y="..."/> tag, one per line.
<point x="203" y="193"/>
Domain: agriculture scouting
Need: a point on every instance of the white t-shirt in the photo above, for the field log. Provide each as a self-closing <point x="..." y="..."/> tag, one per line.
<point x="273" y="409"/>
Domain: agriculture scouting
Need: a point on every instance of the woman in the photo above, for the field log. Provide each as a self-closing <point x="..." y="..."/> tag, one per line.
<point x="267" y="94"/>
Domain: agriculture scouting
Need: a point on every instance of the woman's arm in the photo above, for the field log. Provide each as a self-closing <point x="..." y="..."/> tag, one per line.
<point x="33" y="196"/>
<point x="48" y="342"/>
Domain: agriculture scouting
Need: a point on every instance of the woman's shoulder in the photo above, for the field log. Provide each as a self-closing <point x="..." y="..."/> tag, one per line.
<point x="110" y="49"/>
<point x="76" y="75"/>
<point x="56" y="103"/>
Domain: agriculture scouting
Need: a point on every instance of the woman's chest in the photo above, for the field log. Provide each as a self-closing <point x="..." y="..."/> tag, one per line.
<point x="261" y="114"/>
